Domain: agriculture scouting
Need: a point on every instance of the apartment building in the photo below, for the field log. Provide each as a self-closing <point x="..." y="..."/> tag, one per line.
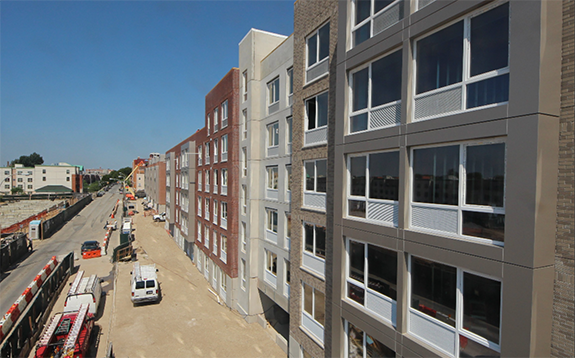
<point x="216" y="197"/>
<point x="42" y="178"/>
<point x="315" y="39"/>
<point x="138" y="177"/>
<point x="267" y="75"/>
<point x="446" y="151"/>
<point x="155" y="181"/>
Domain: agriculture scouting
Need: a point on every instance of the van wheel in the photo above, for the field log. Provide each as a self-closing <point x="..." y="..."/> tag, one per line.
<point x="157" y="220"/>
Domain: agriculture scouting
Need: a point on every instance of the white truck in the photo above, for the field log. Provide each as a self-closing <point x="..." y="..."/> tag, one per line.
<point x="160" y="217"/>
<point x="84" y="290"/>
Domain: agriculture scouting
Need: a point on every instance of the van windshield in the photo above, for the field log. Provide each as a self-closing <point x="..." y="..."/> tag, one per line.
<point x="139" y="284"/>
<point x="150" y="283"/>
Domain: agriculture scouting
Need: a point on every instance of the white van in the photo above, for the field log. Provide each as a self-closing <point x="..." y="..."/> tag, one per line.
<point x="145" y="285"/>
<point x="86" y="290"/>
<point x="127" y="227"/>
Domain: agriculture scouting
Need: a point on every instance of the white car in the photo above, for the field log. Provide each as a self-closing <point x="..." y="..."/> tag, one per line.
<point x="160" y="217"/>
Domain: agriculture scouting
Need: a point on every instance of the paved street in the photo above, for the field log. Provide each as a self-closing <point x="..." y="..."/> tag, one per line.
<point x="87" y="225"/>
<point x="188" y="322"/>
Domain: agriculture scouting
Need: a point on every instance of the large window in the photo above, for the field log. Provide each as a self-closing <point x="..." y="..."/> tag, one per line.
<point x="272" y="182"/>
<point x="288" y="177"/>
<point x="371" y="17"/>
<point x="362" y="345"/>
<point x="316" y="111"/>
<point x="216" y="118"/>
<point x="274" y="91"/>
<point x="318" y="46"/>
<point x="290" y="81"/>
<point x="224" y="221"/>
<point x="372" y="278"/>
<point x="316" y="175"/>
<point x="452" y="76"/>
<point x="225" y="114"/>
<point x="243" y="273"/>
<point x="446" y="293"/>
<point x="272" y="220"/>
<point x="373" y="186"/>
<point x="314" y="241"/>
<point x="314" y="304"/>
<point x="245" y="84"/>
<point x="273" y="134"/>
<point x="272" y="262"/>
<point x="215" y="212"/>
<point x="225" y="148"/>
<point x="224" y="249"/>
<point x="464" y="184"/>
<point x="375" y="91"/>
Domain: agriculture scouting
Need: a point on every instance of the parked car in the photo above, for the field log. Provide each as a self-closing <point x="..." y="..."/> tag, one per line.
<point x="140" y="194"/>
<point x="90" y="246"/>
<point x="160" y="217"/>
<point x="100" y="193"/>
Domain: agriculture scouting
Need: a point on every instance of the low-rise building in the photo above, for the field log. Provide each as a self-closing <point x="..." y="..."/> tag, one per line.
<point x="64" y="176"/>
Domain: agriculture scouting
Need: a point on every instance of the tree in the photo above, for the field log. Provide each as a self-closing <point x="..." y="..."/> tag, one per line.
<point x="17" y="190"/>
<point x="29" y="160"/>
<point x="126" y="171"/>
<point x="95" y="186"/>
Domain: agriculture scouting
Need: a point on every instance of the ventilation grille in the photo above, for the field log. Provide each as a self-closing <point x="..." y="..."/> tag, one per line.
<point x="317" y="71"/>
<point x="316" y="136"/>
<point x="224" y="123"/>
<point x="224" y="190"/>
<point x="432" y="332"/>
<point x="383" y="212"/>
<point x="225" y="157"/>
<point x="273" y="151"/>
<point x="386" y="117"/>
<point x="423" y="3"/>
<point x="434" y="219"/>
<point x="438" y="103"/>
<point x="385" y="308"/>
<point x="387" y="18"/>
<point x="314" y="200"/>
<point x="273" y="108"/>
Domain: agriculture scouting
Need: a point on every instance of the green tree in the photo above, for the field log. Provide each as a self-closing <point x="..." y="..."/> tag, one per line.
<point x="29" y="160"/>
<point x="125" y="171"/>
<point x="17" y="190"/>
<point x="95" y="186"/>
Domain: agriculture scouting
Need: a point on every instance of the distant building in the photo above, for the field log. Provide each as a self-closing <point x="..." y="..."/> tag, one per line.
<point x="155" y="181"/>
<point x="138" y="178"/>
<point x="42" y="178"/>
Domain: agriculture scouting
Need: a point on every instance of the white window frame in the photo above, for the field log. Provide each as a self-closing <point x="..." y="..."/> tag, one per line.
<point x="318" y="61"/>
<point x="244" y="162"/>
<point x="243" y="274"/>
<point x="316" y="113"/>
<point x="200" y="181"/>
<point x="224" y="213"/>
<point x="207" y="182"/>
<point x="289" y="82"/>
<point x="200" y="153"/>
<point x="459" y="329"/>
<point x="315" y="176"/>
<point x="216" y="150"/>
<point x="462" y="206"/>
<point x="270" y="213"/>
<point x="207" y="236"/>
<point x="244" y="199"/>
<point x="270" y="258"/>
<point x="245" y="123"/>
<point x="215" y="211"/>
<point x="311" y="315"/>
<point x="273" y="130"/>
<point x="207" y="208"/>
<point x="224" y="114"/>
<point x="224" y="148"/>
<point x="314" y="241"/>
<point x="207" y="150"/>
<point x="215" y="244"/>
<point x="271" y="182"/>
<point x="216" y="119"/>
<point x="273" y="92"/>
<point x="369" y="109"/>
<point x="243" y="234"/>
<point x="466" y="78"/>
<point x="224" y="182"/>
<point x="245" y="85"/>
<point x="208" y="124"/>
<point x="224" y="248"/>
<point x="369" y="19"/>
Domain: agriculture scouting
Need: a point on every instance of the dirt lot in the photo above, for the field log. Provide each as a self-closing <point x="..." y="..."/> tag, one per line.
<point x="187" y="322"/>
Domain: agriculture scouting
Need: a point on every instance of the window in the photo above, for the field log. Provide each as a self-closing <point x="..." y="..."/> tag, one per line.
<point x="6" y="179"/>
<point x="444" y="292"/>
<point x="314" y="304"/>
<point x="477" y="201"/>
<point x="271" y="262"/>
<point x="288" y="177"/>
<point x="373" y="186"/>
<point x="215" y="246"/>
<point x="245" y="84"/>
<point x="314" y="242"/>
<point x="30" y="180"/>
<point x="216" y="119"/>
<point x="316" y="111"/>
<point x="67" y="178"/>
<point x="225" y="148"/>
<point x="225" y="114"/>
<point x="361" y="344"/>
<point x="272" y="177"/>
<point x="289" y="133"/>
<point x="273" y="134"/>
<point x="244" y="162"/>
<point x="224" y="221"/>
<point x="207" y="186"/>
<point x="372" y="271"/>
<point x="290" y="81"/>
<point x="244" y="199"/>
<point x="224" y="249"/>
<point x="20" y="180"/>
<point x="200" y="175"/>
<point x="318" y="46"/>
<point x="208" y="125"/>
<point x="373" y="16"/>
<point x="315" y="175"/>
<point x="272" y="220"/>
<point x="216" y="212"/>
<point x="224" y="190"/>
<point x="245" y="122"/>
<point x="452" y="77"/>
<point x="208" y="153"/>
<point x="206" y="236"/>
<point x="67" y="171"/>
<point x="200" y="152"/>
<point x="29" y="186"/>
<point x="216" y="181"/>
<point x="287" y="272"/>
<point x="6" y="186"/>
<point x="243" y="237"/>
<point x="288" y="225"/>
<point x="375" y="92"/>
<point x="243" y="273"/>
<point x="207" y="209"/>
<point x="216" y="151"/>
<point x="274" y="91"/>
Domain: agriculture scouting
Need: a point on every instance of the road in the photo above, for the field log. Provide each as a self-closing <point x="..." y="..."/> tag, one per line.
<point x="87" y="225"/>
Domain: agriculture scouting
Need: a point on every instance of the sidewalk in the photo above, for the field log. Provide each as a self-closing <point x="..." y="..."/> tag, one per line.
<point x="188" y="321"/>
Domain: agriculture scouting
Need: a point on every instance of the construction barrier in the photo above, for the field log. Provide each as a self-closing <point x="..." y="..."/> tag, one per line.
<point x="18" y="307"/>
<point x="91" y="254"/>
<point x="27" y="322"/>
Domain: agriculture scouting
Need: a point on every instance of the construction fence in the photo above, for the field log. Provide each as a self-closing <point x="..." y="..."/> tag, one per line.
<point x="23" y="335"/>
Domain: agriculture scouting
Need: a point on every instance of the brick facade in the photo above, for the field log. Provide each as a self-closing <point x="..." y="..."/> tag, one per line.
<point x="563" y="337"/>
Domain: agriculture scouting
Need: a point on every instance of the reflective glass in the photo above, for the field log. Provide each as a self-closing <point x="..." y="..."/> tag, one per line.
<point x="436" y="175"/>
<point x="356" y="208"/>
<point x="362" y="10"/>
<point x="490" y="40"/>
<point x="359" y="122"/>
<point x="491" y="90"/>
<point x="322" y="110"/>
<point x="471" y="349"/>
<point x="485" y="225"/>
<point x="360" y="83"/>
<point x="308" y="238"/>
<point x="357" y="172"/>
<point x="485" y="174"/>
<point x="433" y="288"/>
<point x="323" y="34"/>
<point x="311" y="113"/>
<point x="356" y="293"/>
<point x="440" y="59"/>
<point x="312" y="50"/>
<point x="355" y="342"/>
<point x="310" y="176"/>
<point x="319" y="312"/>
<point x="308" y="299"/>
<point x="321" y="167"/>
<point x="482" y="306"/>
<point x="382" y="271"/>
<point x="384" y="176"/>
<point x="320" y="241"/>
<point x="362" y="34"/>
<point x="376" y="349"/>
<point x="356" y="261"/>
<point x="386" y="79"/>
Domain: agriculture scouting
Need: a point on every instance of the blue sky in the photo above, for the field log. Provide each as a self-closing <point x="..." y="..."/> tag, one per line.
<point x="99" y="83"/>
